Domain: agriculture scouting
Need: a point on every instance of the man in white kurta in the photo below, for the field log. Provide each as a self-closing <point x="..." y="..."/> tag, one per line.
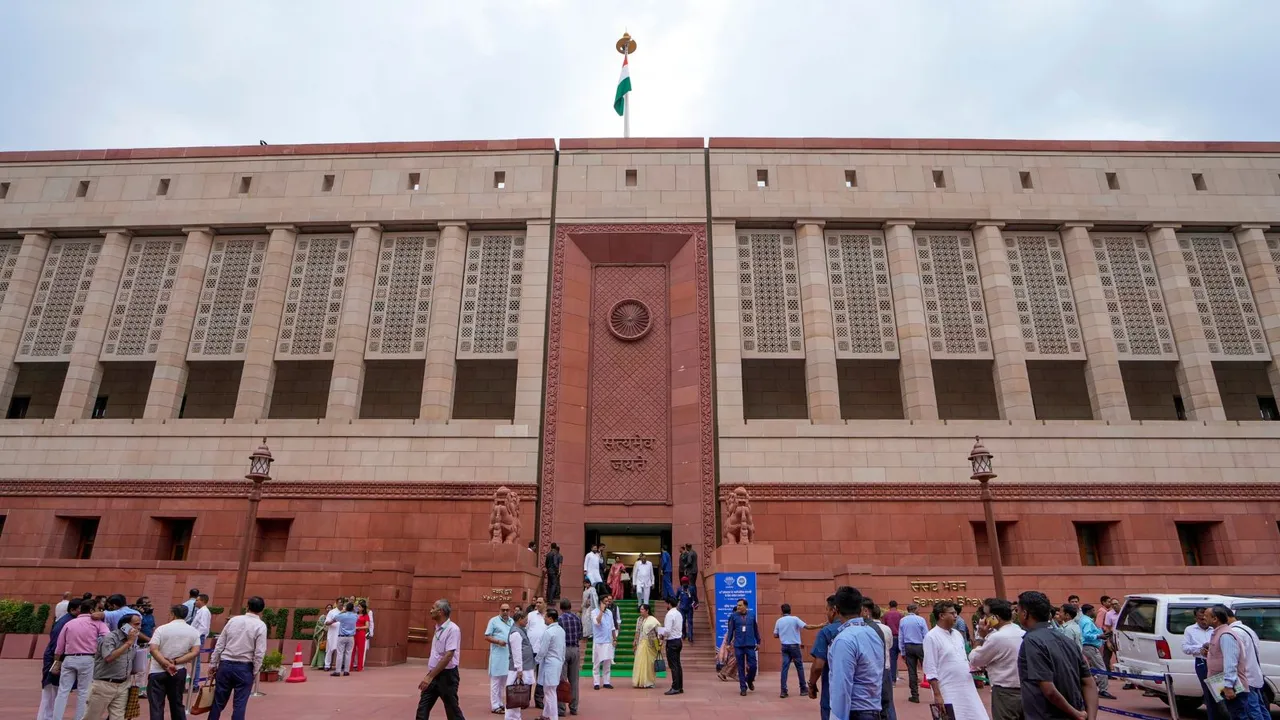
<point x="331" y="641"/>
<point x="642" y="579"/>
<point x="946" y="666"/>
<point x="591" y="567"/>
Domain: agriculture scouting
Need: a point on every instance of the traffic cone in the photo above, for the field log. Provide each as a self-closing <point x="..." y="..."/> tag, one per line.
<point x="296" y="674"/>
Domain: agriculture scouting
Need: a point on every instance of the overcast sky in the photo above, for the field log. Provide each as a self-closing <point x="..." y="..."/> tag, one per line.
<point x="134" y="73"/>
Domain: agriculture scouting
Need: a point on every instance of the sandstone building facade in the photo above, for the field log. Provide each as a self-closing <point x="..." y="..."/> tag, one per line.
<point x="622" y="331"/>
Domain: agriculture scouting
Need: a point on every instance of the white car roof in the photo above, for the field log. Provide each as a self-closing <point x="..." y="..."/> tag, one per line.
<point x="1178" y="598"/>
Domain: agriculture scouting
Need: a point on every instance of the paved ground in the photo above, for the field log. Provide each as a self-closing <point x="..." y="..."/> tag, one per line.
<point x="391" y="693"/>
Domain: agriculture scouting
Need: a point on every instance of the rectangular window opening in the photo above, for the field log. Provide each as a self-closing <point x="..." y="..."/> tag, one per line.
<point x="1113" y="181"/>
<point x="415" y="181"/>
<point x="82" y="189"/>
<point x="99" y="408"/>
<point x="163" y="187"/>
<point x="851" y="178"/>
<point x="1024" y="177"/>
<point x="4" y="190"/>
<point x="762" y="178"/>
<point x="245" y="182"/>
<point x="1190" y="540"/>
<point x="485" y="390"/>
<point x="499" y="179"/>
<point x="2" y="526"/>
<point x="939" y="179"/>
<point x="1267" y="408"/>
<point x="175" y="541"/>
<point x="273" y="539"/>
<point x="18" y="407"/>
<point x="632" y="178"/>
<point x="1197" y="179"/>
<point x="81" y="534"/>
<point x="1092" y="541"/>
<point x="327" y="184"/>
<point x="774" y="389"/>
<point x="983" y="547"/>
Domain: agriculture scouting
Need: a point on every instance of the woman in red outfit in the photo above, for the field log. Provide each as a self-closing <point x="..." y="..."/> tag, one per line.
<point x="362" y="631"/>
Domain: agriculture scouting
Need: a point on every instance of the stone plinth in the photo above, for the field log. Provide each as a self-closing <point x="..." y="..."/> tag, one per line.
<point x="759" y="559"/>
<point x="491" y="575"/>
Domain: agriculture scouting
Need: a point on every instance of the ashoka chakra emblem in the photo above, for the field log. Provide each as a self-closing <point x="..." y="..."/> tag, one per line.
<point x="630" y="320"/>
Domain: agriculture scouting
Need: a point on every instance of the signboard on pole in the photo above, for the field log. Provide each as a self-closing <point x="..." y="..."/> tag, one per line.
<point x="730" y="588"/>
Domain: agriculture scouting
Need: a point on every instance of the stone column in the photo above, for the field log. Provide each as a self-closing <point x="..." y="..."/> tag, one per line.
<point x="1013" y="387"/>
<point x="915" y="363"/>
<point x="169" y="380"/>
<point x="1265" y="283"/>
<point x="821" y="377"/>
<point x="84" y="371"/>
<point x="259" y="374"/>
<point x="1196" y="381"/>
<point x="727" y="325"/>
<point x="533" y="324"/>
<point x="347" y="384"/>
<point x="446" y="307"/>
<point x="1102" y="364"/>
<point x="17" y="303"/>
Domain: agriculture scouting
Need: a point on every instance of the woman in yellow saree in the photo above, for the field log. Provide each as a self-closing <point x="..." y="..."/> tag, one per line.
<point x="646" y="645"/>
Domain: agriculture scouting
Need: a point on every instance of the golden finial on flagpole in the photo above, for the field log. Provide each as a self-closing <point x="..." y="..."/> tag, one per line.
<point x="626" y="45"/>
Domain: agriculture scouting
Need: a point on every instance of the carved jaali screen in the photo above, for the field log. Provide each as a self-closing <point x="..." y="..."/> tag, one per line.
<point x="1224" y="301"/>
<point x="9" y="250"/>
<point x="401" y="312"/>
<point x="142" y="300"/>
<point x="1273" y="247"/>
<point x="769" y="294"/>
<point x="1135" y="305"/>
<point x="54" y="318"/>
<point x="313" y="298"/>
<point x="224" y="314"/>
<point x="489" y="326"/>
<point x="1042" y="294"/>
<point x="861" y="299"/>
<point x="630" y="380"/>
<point x="954" y="311"/>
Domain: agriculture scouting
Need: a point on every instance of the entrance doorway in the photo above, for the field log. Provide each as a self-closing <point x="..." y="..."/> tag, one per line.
<point x="624" y="543"/>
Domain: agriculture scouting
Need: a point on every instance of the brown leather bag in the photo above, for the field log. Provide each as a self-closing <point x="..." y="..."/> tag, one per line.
<point x="519" y="694"/>
<point x="204" y="699"/>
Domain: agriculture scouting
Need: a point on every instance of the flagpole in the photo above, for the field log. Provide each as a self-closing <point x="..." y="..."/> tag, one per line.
<point x="626" y="45"/>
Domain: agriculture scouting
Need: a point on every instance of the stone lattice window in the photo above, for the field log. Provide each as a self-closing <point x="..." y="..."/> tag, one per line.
<point x="142" y="300"/>
<point x="769" y="294"/>
<point x="953" y="307"/>
<point x="313" y="297"/>
<point x="1223" y="299"/>
<point x="861" y="299"/>
<point x="1135" y="305"/>
<point x="1042" y="293"/>
<point x="490" y="323"/>
<point x="54" y="319"/>
<point x="8" y="261"/>
<point x="401" y="310"/>
<point x="224" y="314"/>
<point x="1273" y="247"/>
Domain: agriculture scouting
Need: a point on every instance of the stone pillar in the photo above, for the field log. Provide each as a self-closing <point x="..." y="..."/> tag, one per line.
<point x="491" y="575"/>
<point x="169" y="380"/>
<point x="1264" y="280"/>
<point x="915" y="363"/>
<point x="533" y="325"/>
<point x="755" y="558"/>
<point x="17" y="303"/>
<point x="1013" y="387"/>
<point x="84" y="371"/>
<point x="1102" y="364"/>
<point x="446" y="308"/>
<point x="727" y="326"/>
<point x="1196" y="381"/>
<point x="259" y="374"/>
<point x="821" y="377"/>
<point x="347" y="383"/>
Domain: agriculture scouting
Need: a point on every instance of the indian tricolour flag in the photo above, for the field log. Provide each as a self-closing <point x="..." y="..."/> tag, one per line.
<point x="624" y="87"/>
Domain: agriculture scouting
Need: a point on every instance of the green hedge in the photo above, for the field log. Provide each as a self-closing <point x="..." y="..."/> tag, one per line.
<point x="304" y="629"/>
<point x="22" y="618"/>
<point x="276" y="621"/>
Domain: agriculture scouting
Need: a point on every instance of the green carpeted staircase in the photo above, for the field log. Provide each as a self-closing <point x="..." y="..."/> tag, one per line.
<point x="624" y="652"/>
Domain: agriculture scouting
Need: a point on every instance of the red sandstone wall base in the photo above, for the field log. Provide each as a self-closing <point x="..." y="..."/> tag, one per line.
<point x="757" y="558"/>
<point x="491" y="575"/>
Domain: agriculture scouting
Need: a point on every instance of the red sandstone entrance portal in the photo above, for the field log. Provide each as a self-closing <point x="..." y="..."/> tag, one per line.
<point x="628" y="424"/>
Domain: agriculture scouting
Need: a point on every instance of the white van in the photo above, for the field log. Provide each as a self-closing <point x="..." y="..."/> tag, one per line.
<point x="1149" y="642"/>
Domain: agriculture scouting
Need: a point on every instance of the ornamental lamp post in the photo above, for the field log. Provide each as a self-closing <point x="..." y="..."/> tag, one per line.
<point x="980" y="459"/>
<point x="259" y="472"/>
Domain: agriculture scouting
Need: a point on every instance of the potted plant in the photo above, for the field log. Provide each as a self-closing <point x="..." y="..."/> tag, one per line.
<point x="271" y="666"/>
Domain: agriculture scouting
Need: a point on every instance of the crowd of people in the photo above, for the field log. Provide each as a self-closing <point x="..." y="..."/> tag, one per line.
<point x="342" y="638"/>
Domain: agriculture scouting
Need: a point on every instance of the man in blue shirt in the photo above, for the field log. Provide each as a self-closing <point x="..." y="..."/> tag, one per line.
<point x="744" y="633"/>
<point x="787" y="630"/>
<point x="686" y="603"/>
<point x="346" y="622"/>
<point x="820" y="672"/>
<point x="1092" y="636"/>
<point x="856" y="658"/>
<point x="911" y="632"/>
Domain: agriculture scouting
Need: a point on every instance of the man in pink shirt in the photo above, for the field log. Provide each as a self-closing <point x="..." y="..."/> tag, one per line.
<point x="76" y="646"/>
<point x="441" y="682"/>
